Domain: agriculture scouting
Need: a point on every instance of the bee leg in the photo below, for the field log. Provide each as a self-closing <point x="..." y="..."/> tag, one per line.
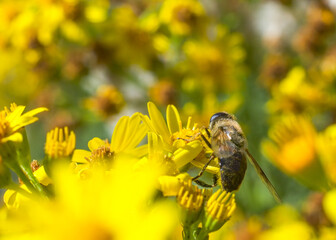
<point x="203" y="184"/>
<point x="203" y="169"/>
<point x="206" y="140"/>
<point x="215" y="180"/>
<point x="208" y="133"/>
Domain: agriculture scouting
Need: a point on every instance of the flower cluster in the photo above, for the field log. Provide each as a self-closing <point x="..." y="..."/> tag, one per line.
<point x="119" y="176"/>
<point x="59" y="45"/>
<point x="112" y="171"/>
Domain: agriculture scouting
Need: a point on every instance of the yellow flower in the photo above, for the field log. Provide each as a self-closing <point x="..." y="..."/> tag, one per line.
<point x="285" y="221"/>
<point x="60" y="143"/>
<point x="107" y="102"/>
<point x="295" y="92"/>
<point x="12" y="121"/>
<point x="120" y="205"/>
<point x="296" y="230"/>
<point x="127" y="135"/>
<point x="218" y="210"/>
<point x="182" y="16"/>
<point x="190" y="199"/>
<point x="326" y="147"/>
<point x="292" y="147"/>
<point x="59" y="146"/>
<point x="181" y="141"/>
<point x="329" y="205"/>
<point x="14" y="198"/>
<point x="14" y="147"/>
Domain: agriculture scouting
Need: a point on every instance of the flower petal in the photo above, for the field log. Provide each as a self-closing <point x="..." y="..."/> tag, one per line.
<point x="16" y="113"/>
<point x="173" y="119"/>
<point x="15" y="137"/>
<point x="155" y="147"/>
<point x="158" y="122"/>
<point x="80" y="156"/>
<point x="119" y="134"/>
<point x="139" y="151"/>
<point x="35" y="111"/>
<point x="186" y="154"/>
<point x="135" y="132"/>
<point x="95" y="143"/>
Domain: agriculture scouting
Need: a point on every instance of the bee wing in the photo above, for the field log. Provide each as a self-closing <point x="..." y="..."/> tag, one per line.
<point x="263" y="176"/>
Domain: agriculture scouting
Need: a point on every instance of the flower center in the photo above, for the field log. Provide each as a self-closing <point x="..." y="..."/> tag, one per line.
<point x="101" y="156"/>
<point x="187" y="135"/>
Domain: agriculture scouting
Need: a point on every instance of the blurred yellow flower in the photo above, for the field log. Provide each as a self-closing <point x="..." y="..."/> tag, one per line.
<point x="15" y="198"/>
<point x="182" y="17"/>
<point x="297" y="92"/>
<point x="119" y="205"/>
<point x="60" y="143"/>
<point x="292" y="147"/>
<point x="329" y="205"/>
<point x="108" y="101"/>
<point x="291" y="231"/>
<point x="326" y="147"/>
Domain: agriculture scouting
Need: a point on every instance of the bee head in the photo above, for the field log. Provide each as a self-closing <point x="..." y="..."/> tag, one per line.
<point x="219" y="117"/>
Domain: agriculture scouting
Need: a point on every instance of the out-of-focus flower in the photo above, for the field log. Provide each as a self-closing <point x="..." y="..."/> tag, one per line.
<point x="113" y="205"/>
<point x="128" y="38"/>
<point x="163" y="93"/>
<point x="59" y="146"/>
<point x="292" y="147"/>
<point x="182" y="17"/>
<point x="326" y="147"/>
<point x="274" y="69"/>
<point x="16" y="197"/>
<point x="320" y="23"/>
<point x="216" y="62"/>
<point x="107" y="102"/>
<point x="313" y="211"/>
<point x="321" y="18"/>
<point x="60" y="143"/>
<point x="285" y="220"/>
<point x="329" y="205"/>
<point x="296" y="93"/>
<point x="127" y="135"/>
<point x="327" y="65"/>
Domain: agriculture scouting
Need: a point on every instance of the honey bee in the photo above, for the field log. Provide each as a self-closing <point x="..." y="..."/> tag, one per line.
<point x="229" y="145"/>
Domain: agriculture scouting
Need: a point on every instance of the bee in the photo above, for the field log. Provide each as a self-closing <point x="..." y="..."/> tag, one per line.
<point x="229" y="145"/>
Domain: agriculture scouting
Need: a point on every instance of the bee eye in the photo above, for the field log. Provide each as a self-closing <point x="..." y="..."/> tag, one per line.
<point x="223" y="115"/>
<point x="216" y="115"/>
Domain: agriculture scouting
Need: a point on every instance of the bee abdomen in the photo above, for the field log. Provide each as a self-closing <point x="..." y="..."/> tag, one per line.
<point x="232" y="171"/>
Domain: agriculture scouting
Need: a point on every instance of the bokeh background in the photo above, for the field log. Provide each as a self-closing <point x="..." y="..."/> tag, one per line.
<point x="271" y="63"/>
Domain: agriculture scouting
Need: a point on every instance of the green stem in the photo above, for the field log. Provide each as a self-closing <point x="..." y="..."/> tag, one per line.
<point x="203" y="235"/>
<point x="16" y="168"/>
<point x="33" y="181"/>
